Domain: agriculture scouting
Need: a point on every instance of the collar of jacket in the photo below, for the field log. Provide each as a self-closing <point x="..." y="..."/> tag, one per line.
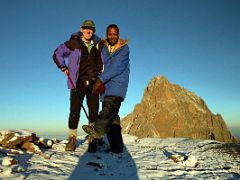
<point x="95" y="38"/>
<point x="118" y="45"/>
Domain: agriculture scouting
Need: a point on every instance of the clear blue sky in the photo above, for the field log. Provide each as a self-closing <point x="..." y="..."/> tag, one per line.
<point x="194" y="43"/>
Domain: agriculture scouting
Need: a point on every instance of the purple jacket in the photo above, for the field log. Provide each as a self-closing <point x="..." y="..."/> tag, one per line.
<point x="68" y="55"/>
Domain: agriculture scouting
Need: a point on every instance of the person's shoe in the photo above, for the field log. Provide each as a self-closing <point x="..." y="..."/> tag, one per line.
<point x="71" y="145"/>
<point x="91" y="131"/>
<point x="92" y="145"/>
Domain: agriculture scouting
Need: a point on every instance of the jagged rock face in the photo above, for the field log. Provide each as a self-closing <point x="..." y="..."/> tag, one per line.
<point x="14" y="139"/>
<point x="25" y="140"/>
<point x="168" y="110"/>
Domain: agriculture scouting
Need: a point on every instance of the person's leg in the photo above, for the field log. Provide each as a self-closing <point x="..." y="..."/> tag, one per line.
<point x="115" y="136"/>
<point x="93" y="106"/>
<point x="110" y="109"/>
<point x="76" y="99"/>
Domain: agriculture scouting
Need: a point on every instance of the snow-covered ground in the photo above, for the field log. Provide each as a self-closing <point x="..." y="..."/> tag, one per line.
<point x="148" y="158"/>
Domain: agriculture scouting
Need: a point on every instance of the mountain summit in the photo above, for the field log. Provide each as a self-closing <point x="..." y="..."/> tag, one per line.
<point x="169" y="110"/>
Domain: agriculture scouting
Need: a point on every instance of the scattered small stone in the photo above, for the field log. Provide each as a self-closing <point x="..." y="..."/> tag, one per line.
<point x="55" y="141"/>
<point x="45" y="143"/>
<point x="196" y="165"/>
<point x="31" y="148"/>
<point x="137" y="140"/>
<point x="46" y="156"/>
<point x="176" y="157"/>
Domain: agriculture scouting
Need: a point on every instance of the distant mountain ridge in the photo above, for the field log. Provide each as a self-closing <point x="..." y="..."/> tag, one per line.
<point x="169" y="110"/>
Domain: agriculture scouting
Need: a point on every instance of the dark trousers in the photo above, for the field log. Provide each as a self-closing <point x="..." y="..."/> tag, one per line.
<point x="109" y="113"/>
<point x="76" y="100"/>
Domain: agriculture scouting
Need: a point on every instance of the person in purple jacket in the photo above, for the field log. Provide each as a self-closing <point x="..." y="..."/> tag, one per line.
<point x="83" y="66"/>
<point x="115" y="78"/>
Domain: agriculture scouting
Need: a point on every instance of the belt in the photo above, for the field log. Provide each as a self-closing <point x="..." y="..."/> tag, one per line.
<point x="88" y="82"/>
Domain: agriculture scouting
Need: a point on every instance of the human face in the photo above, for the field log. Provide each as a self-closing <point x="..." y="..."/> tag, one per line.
<point x="112" y="36"/>
<point x="87" y="33"/>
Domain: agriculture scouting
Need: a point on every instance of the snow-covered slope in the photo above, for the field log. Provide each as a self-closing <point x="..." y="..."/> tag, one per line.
<point x="147" y="158"/>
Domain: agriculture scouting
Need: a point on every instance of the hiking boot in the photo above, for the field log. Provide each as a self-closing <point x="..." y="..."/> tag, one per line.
<point x="92" y="145"/>
<point x="92" y="131"/>
<point x="71" y="145"/>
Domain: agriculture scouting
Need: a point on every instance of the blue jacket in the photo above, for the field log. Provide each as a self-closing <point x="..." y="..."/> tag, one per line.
<point x="115" y="75"/>
<point x="72" y="51"/>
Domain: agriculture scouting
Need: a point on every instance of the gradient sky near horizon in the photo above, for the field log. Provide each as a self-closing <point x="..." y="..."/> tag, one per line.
<point x="194" y="43"/>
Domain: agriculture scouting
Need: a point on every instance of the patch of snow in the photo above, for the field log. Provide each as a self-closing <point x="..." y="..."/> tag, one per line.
<point x="8" y="161"/>
<point x="147" y="158"/>
<point x="59" y="147"/>
<point x="14" y="138"/>
<point x="191" y="161"/>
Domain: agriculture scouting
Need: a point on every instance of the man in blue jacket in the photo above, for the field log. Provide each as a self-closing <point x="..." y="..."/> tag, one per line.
<point x="83" y="67"/>
<point x="115" y="78"/>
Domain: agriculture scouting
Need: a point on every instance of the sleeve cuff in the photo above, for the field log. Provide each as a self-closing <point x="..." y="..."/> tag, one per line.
<point x="63" y="68"/>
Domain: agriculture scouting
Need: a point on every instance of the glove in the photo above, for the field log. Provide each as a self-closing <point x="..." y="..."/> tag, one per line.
<point x="98" y="87"/>
<point x="101" y="89"/>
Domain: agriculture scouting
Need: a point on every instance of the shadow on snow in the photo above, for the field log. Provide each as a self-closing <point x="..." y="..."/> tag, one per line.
<point x="105" y="165"/>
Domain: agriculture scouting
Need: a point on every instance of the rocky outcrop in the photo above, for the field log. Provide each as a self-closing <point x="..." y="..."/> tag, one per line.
<point x="24" y="140"/>
<point x="168" y="110"/>
<point x="18" y="145"/>
<point x="13" y="139"/>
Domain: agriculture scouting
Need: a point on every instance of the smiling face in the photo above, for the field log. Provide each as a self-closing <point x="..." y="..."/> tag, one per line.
<point x="112" y="36"/>
<point x="87" y="33"/>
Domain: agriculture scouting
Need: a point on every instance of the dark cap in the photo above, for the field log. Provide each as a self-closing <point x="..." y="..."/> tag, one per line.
<point x="88" y="23"/>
